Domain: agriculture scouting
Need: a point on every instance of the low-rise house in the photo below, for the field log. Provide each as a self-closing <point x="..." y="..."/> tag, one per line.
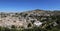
<point x="37" y="23"/>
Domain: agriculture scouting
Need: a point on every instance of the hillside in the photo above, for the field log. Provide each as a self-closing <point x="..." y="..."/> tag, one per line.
<point x="44" y="20"/>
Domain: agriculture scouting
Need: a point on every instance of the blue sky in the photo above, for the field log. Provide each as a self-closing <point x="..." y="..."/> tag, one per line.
<point x="25" y="5"/>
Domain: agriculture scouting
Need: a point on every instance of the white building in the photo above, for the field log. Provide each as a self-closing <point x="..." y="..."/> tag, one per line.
<point x="37" y="23"/>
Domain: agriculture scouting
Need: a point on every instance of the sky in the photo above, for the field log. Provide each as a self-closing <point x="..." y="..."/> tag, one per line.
<point x="26" y="5"/>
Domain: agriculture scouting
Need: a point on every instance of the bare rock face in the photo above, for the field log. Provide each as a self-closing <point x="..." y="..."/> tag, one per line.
<point x="28" y="19"/>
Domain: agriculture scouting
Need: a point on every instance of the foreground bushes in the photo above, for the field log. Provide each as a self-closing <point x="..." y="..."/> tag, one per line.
<point x="14" y="29"/>
<point x="33" y="29"/>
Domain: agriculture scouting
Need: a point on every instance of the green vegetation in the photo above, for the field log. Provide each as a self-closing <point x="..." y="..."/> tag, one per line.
<point x="49" y="26"/>
<point x="14" y="29"/>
